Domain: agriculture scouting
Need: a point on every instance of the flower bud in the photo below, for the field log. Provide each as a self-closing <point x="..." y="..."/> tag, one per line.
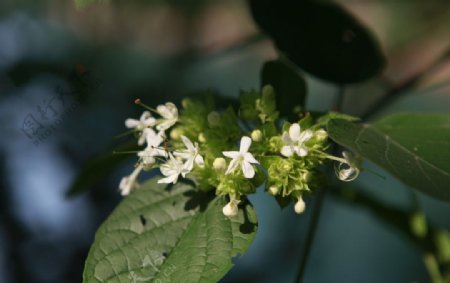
<point x="201" y="137"/>
<point x="213" y="118"/>
<point x="321" y="135"/>
<point x="274" y="190"/>
<point x="256" y="135"/>
<point x="220" y="164"/>
<point x="267" y="90"/>
<point x="176" y="134"/>
<point x="299" y="206"/>
<point x="231" y="209"/>
<point x="186" y="103"/>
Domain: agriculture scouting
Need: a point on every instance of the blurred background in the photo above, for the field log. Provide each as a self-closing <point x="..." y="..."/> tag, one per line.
<point x="68" y="79"/>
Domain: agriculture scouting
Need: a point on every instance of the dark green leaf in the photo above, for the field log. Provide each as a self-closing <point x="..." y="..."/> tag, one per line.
<point x="289" y="85"/>
<point x="413" y="147"/>
<point x="160" y="234"/>
<point x="321" y="38"/>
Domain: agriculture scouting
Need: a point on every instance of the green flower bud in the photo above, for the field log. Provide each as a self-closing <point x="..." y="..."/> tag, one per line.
<point x="268" y="90"/>
<point x="256" y="135"/>
<point x="201" y="137"/>
<point x="186" y="103"/>
<point x="176" y="133"/>
<point x="220" y="164"/>
<point x="321" y="135"/>
<point x="274" y="190"/>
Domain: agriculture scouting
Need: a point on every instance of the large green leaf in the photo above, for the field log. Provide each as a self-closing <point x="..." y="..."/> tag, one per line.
<point x="321" y="38"/>
<point x="413" y="147"/>
<point x="289" y="85"/>
<point x="168" y="234"/>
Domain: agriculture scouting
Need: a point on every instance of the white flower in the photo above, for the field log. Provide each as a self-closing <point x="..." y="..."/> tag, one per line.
<point x="153" y="148"/>
<point x="172" y="169"/>
<point x="243" y="158"/>
<point x="146" y="120"/>
<point x="294" y="141"/>
<point x="128" y="183"/>
<point x="231" y="209"/>
<point x="299" y="206"/>
<point x="169" y="114"/>
<point x="349" y="170"/>
<point x="190" y="154"/>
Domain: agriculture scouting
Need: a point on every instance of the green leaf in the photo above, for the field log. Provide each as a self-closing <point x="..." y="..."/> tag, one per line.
<point x="99" y="168"/>
<point x="289" y="85"/>
<point x="413" y="147"/>
<point x="320" y="37"/>
<point x="169" y="234"/>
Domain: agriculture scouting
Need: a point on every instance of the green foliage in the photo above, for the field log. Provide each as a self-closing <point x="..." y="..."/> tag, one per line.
<point x="170" y="234"/>
<point x="321" y="38"/>
<point x="258" y="106"/>
<point x="413" y="147"/>
<point x="289" y="85"/>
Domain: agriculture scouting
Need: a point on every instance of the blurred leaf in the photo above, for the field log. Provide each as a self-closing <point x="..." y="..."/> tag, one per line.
<point x="289" y="85"/>
<point x="320" y="37"/>
<point x="168" y="234"/>
<point x="413" y="147"/>
<point x="99" y="168"/>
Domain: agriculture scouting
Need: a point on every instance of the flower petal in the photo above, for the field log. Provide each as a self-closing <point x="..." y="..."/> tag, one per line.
<point x="245" y="144"/>
<point x="301" y="151"/>
<point x="305" y="136"/>
<point x="199" y="160"/>
<point x="248" y="170"/>
<point x="171" y="179"/>
<point x="231" y="154"/>
<point x="233" y="165"/>
<point x="294" y="131"/>
<point x="286" y="138"/>
<point x="131" y="123"/>
<point x="189" y="164"/>
<point x="145" y="115"/>
<point x="249" y="158"/>
<point x="287" y="151"/>
<point x="187" y="142"/>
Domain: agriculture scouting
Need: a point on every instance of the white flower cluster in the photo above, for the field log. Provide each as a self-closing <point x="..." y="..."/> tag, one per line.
<point x="152" y="133"/>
